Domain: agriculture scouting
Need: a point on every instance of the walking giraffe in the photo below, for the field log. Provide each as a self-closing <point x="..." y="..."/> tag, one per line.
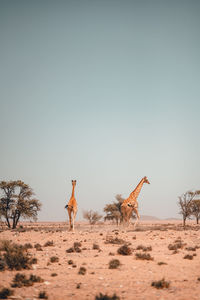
<point x="72" y="207"/>
<point x="130" y="204"/>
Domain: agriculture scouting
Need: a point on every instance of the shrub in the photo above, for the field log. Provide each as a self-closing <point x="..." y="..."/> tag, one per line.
<point x="114" y="264"/>
<point x="143" y="256"/>
<point x="124" y="250"/>
<point x="116" y="240"/>
<point x="21" y="280"/>
<point x="5" y="293"/>
<point x="43" y="295"/>
<point x="38" y="247"/>
<point x="144" y="248"/>
<point x="82" y="271"/>
<point x="161" y="263"/>
<point x="49" y="244"/>
<point x="54" y="274"/>
<point x="27" y="246"/>
<point x="95" y="247"/>
<point x="178" y="244"/>
<point x="2" y="264"/>
<point x="187" y="256"/>
<point x="54" y="259"/>
<point x="16" y="258"/>
<point x="106" y="297"/>
<point x="70" y="262"/>
<point x="160" y="284"/>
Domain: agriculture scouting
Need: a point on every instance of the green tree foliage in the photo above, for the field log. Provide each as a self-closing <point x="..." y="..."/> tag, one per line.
<point x="16" y="201"/>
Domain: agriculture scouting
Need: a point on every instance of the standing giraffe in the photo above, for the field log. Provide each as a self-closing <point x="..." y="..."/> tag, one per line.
<point x="72" y="207"/>
<point x="130" y="204"/>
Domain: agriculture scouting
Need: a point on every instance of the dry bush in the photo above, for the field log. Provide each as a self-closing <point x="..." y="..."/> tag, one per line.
<point x="21" y="280"/>
<point x="38" y="247"/>
<point x="54" y="259"/>
<point x="43" y="295"/>
<point x="190" y="248"/>
<point x="49" y="244"/>
<point x="106" y="297"/>
<point x="188" y="256"/>
<point x="143" y="256"/>
<point x="95" y="247"/>
<point x="124" y="250"/>
<point x="178" y="244"/>
<point x="70" y="250"/>
<point x="5" y="293"/>
<point x="70" y="262"/>
<point x="114" y="264"/>
<point x="75" y="248"/>
<point x="160" y="284"/>
<point x="27" y="246"/>
<point x="54" y="274"/>
<point x="114" y="240"/>
<point x="82" y="271"/>
<point x="161" y="263"/>
<point x="144" y="248"/>
<point x="2" y="264"/>
<point x="16" y="257"/>
<point x="92" y="216"/>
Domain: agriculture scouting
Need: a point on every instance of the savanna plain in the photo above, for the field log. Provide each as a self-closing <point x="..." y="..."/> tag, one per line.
<point x="157" y="260"/>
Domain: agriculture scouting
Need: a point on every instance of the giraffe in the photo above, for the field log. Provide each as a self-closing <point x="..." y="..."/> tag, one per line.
<point x="130" y="204"/>
<point x="72" y="207"/>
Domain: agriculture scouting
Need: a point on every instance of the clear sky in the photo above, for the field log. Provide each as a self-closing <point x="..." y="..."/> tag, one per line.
<point x="104" y="92"/>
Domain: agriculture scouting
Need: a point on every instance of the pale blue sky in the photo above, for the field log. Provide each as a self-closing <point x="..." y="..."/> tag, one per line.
<point x="104" y="92"/>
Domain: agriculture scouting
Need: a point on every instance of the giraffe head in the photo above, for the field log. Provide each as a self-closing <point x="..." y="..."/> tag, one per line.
<point x="146" y="180"/>
<point x="74" y="182"/>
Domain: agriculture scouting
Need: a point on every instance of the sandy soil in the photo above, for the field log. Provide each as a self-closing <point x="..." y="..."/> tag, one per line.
<point x="132" y="280"/>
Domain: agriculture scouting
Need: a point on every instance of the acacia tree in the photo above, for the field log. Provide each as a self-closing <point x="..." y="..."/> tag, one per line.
<point x="16" y="201"/>
<point x="92" y="216"/>
<point x="185" y="204"/>
<point x="196" y="207"/>
<point x="113" y="211"/>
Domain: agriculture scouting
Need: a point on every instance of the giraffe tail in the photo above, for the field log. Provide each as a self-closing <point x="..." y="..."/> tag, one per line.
<point x="66" y="206"/>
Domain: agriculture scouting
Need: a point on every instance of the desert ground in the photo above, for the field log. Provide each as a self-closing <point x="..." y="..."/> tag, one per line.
<point x="165" y="251"/>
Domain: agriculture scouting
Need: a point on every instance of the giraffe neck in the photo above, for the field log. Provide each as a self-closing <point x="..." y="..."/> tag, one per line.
<point x="137" y="190"/>
<point x="73" y="187"/>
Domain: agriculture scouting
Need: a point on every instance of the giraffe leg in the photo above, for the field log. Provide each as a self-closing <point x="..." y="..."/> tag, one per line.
<point x="70" y="219"/>
<point x="73" y="219"/>
<point x="138" y="217"/>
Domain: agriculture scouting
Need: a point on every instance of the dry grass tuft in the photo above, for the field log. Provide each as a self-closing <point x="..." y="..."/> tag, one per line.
<point x="144" y="248"/>
<point x="15" y="257"/>
<point x="188" y="256"/>
<point x="116" y="240"/>
<point x="43" y="295"/>
<point x="49" y="244"/>
<point x="54" y="259"/>
<point x="21" y="280"/>
<point x="114" y="264"/>
<point x="160" y="263"/>
<point x="143" y="256"/>
<point x="106" y="297"/>
<point x="82" y="271"/>
<point x="38" y="247"/>
<point x="160" y="284"/>
<point x="95" y="247"/>
<point x="124" y="250"/>
<point x="5" y="293"/>
<point x="178" y="244"/>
